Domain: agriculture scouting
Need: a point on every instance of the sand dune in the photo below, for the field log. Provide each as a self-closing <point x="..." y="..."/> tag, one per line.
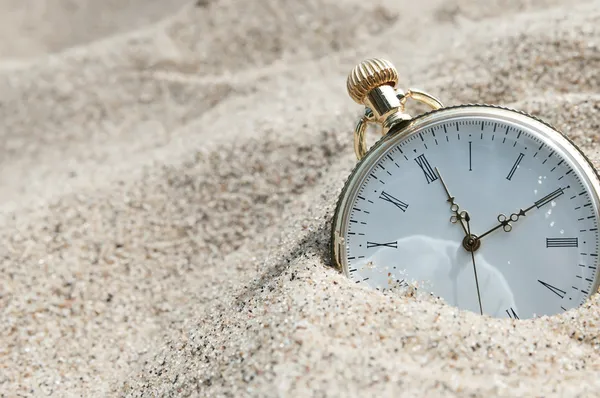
<point x="169" y="173"/>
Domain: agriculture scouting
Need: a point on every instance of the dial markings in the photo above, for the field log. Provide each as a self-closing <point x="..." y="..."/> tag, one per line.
<point x="423" y="163"/>
<point x="505" y="134"/>
<point x="559" y="292"/>
<point x="395" y="201"/>
<point x="384" y="169"/>
<point x="562" y="242"/>
<point x="515" y="166"/>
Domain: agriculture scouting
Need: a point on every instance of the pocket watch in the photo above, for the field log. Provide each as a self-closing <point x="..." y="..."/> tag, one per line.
<point x="489" y="208"/>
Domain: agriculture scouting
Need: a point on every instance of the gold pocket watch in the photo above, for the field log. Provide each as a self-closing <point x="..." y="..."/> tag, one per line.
<point x="489" y="208"/>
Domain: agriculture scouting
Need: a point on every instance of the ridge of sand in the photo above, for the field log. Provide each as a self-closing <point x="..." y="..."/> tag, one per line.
<point x="38" y="27"/>
<point x="167" y="194"/>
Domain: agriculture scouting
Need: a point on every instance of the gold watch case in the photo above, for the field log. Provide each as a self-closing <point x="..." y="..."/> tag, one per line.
<point x="407" y="128"/>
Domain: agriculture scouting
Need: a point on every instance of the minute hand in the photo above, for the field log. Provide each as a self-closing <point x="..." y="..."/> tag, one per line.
<point x="514" y="217"/>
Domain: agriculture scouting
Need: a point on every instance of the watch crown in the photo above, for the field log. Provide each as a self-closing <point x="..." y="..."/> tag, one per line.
<point x="368" y="75"/>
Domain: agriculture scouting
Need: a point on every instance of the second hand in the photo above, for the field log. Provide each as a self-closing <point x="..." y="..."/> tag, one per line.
<point x="467" y="219"/>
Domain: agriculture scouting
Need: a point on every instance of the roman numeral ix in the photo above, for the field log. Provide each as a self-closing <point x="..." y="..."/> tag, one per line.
<point x="397" y="202"/>
<point x="562" y="242"/>
<point x="426" y="167"/>
<point x="393" y="245"/>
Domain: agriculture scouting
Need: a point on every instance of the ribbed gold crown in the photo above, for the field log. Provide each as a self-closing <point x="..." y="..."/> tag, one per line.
<point x="368" y="75"/>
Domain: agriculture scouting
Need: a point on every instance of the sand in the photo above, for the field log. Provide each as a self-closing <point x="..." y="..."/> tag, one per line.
<point x="169" y="173"/>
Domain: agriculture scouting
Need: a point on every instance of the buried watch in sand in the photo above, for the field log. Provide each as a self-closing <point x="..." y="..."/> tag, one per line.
<point x="489" y="208"/>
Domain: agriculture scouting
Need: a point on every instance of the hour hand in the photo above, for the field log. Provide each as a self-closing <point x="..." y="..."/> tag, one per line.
<point x="458" y="216"/>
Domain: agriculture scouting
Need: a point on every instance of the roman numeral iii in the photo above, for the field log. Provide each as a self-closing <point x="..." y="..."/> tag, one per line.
<point x="396" y="202"/>
<point x="426" y="167"/>
<point x="562" y="242"/>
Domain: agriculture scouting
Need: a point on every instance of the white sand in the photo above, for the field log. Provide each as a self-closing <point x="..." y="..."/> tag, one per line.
<point x="167" y="189"/>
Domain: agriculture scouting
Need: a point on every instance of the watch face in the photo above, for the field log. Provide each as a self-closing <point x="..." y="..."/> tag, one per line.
<point x="475" y="190"/>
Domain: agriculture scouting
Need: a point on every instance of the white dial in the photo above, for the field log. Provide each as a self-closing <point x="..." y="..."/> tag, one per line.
<point x="523" y="191"/>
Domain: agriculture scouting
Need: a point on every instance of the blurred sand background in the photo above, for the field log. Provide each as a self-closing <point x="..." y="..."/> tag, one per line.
<point x="169" y="171"/>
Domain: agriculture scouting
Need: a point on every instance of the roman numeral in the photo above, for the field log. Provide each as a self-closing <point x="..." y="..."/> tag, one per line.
<point x="389" y="198"/>
<point x="426" y="167"/>
<point x="548" y="198"/>
<point x="555" y="290"/>
<point x="515" y="167"/>
<point x="562" y="242"/>
<point x="512" y="314"/>
<point x="393" y="245"/>
<point x="470" y="142"/>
